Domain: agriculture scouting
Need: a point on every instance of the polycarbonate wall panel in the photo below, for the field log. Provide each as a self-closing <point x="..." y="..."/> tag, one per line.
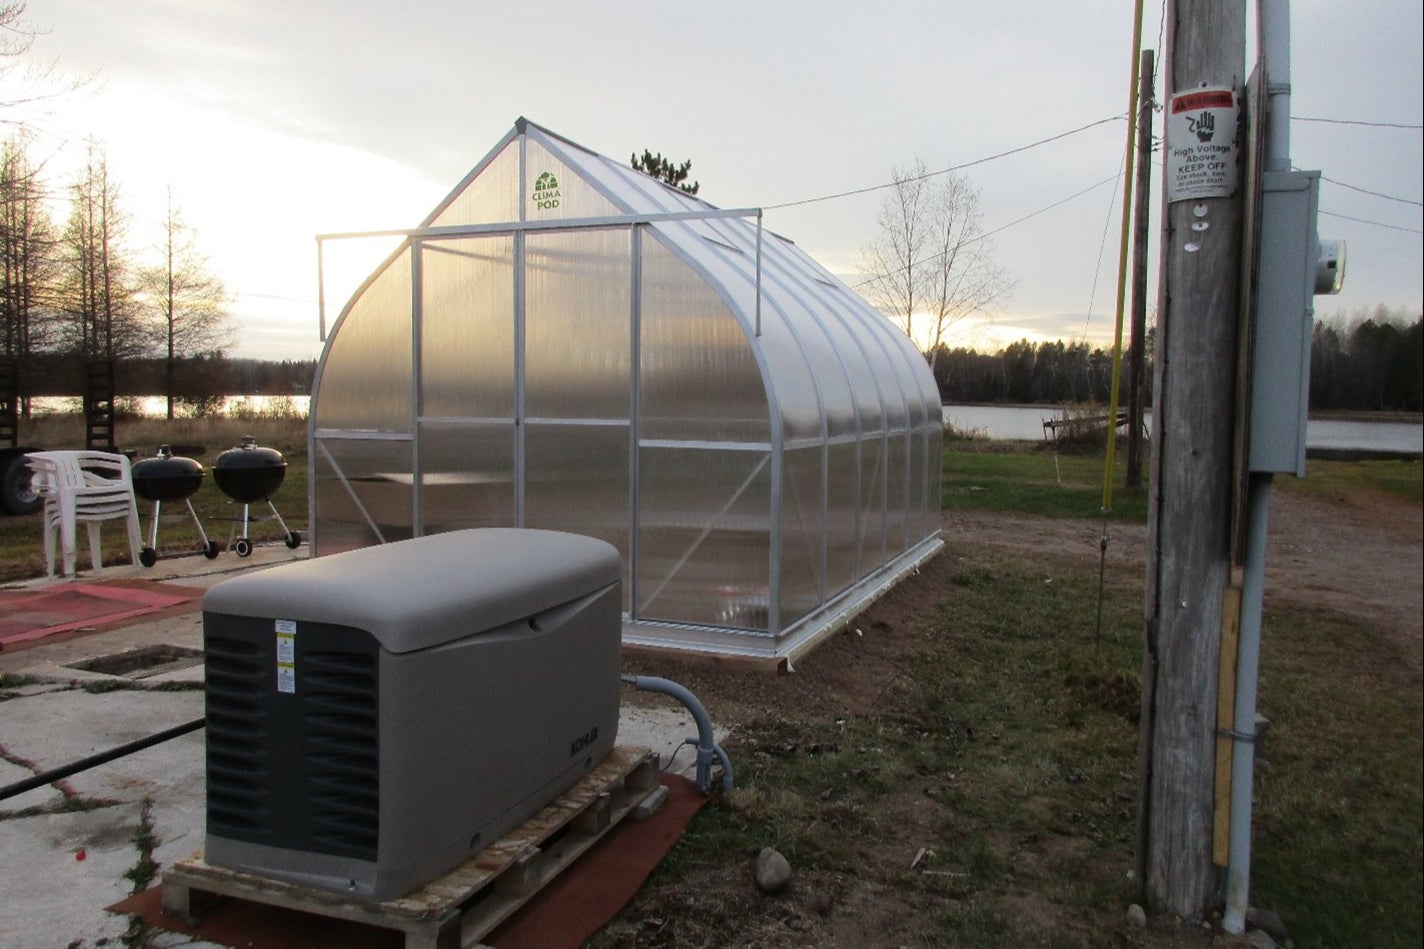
<point x="915" y="506"/>
<point x="894" y="388"/>
<point x="699" y="380"/>
<point x="553" y="190"/>
<point x="897" y="493"/>
<point x="363" y="493"/>
<point x="864" y="412"/>
<point x="577" y="300"/>
<point x="466" y="476"/>
<point x="492" y="197"/>
<point x="576" y="479"/>
<point x="801" y="534"/>
<point x="872" y="505"/>
<point x="811" y="367"/>
<point x="467" y="328"/>
<point x="936" y="478"/>
<point x="842" y="516"/>
<point x="786" y="370"/>
<point x="365" y="378"/>
<point x="704" y="537"/>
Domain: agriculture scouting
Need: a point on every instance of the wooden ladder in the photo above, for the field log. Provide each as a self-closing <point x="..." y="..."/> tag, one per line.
<point x="9" y="402"/>
<point x="99" y="405"/>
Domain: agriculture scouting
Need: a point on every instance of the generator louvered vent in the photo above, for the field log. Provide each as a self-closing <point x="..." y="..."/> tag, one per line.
<point x="339" y="698"/>
<point x="328" y="749"/>
<point x="237" y="759"/>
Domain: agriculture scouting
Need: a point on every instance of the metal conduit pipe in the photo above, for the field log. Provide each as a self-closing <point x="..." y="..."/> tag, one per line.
<point x="707" y="747"/>
<point x="103" y="757"/>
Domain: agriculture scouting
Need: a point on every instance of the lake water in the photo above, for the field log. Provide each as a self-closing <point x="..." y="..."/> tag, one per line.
<point x="154" y="406"/>
<point x="1015" y="422"/>
<point x="1026" y="422"/>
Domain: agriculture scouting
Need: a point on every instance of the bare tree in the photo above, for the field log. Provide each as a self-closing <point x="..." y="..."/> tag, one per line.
<point x="961" y="275"/>
<point x="94" y="290"/>
<point x="35" y="81"/>
<point x="931" y="264"/>
<point x="188" y="301"/>
<point x="892" y="263"/>
<point x="27" y="247"/>
<point x="16" y="36"/>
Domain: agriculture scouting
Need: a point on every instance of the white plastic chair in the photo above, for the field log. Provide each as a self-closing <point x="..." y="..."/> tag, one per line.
<point x="87" y="487"/>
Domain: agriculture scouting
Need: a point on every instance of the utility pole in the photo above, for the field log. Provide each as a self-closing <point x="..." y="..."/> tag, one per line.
<point x="1137" y="336"/>
<point x="1189" y="527"/>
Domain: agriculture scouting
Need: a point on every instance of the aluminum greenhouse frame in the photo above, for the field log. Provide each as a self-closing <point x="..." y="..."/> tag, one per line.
<point x="568" y="343"/>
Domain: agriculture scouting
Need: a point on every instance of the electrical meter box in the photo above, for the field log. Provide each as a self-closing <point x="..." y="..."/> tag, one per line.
<point x="376" y="717"/>
<point x="1287" y="265"/>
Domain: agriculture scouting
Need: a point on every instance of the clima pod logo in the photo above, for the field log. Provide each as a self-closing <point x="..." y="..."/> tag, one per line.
<point x="546" y="192"/>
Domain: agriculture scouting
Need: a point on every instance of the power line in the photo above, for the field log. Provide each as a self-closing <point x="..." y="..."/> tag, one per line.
<point x="944" y="171"/>
<point x="988" y="234"/>
<point x="1360" y="220"/>
<point x="1375" y="125"/>
<point x="1374" y="194"/>
<point x="1102" y="249"/>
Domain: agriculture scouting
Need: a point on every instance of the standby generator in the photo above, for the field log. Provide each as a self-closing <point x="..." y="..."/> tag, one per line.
<point x="376" y="717"/>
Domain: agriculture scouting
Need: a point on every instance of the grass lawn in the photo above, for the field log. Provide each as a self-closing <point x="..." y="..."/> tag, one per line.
<point x="1028" y="478"/>
<point x="21" y="542"/>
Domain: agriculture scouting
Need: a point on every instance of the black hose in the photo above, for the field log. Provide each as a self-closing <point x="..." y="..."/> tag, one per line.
<point x="93" y="761"/>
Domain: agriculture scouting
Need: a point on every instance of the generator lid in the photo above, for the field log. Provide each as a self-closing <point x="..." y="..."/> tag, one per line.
<point x="414" y="594"/>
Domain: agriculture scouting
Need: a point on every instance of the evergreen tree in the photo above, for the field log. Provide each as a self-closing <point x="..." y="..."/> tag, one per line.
<point x="665" y="171"/>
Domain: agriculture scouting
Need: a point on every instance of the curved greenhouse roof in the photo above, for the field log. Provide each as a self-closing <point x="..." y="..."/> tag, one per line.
<point x="567" y="343"/>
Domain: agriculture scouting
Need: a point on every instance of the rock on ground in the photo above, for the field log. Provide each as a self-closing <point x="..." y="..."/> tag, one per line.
<point x="773" y="871"/>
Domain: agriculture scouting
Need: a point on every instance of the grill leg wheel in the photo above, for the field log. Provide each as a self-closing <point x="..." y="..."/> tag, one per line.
<point x="211" y="551"/>
<point x="294" y="540"/>
<point x="148" y="556"/>
<point x="243" y="547"/>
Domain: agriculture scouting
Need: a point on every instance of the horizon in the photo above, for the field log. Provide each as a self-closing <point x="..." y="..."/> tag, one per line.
<point x="273" y="124"/>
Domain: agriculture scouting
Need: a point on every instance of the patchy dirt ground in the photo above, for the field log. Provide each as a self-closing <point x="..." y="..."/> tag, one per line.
<point x="1360" y="558"/>
<point x="1358" y="555"/>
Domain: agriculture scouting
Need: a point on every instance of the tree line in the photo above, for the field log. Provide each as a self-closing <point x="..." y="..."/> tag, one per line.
<point x="1373" y="361"/>
<point x="200" y="378"/>
<point x="76" y="292"/>
<point x="1024" y="372"/>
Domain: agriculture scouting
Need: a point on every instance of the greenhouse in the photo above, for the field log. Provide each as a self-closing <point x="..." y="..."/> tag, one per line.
<point x="568" y="343"/>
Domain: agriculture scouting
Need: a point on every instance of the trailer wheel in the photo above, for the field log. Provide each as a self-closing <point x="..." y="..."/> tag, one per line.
<point x="17" y="495"/>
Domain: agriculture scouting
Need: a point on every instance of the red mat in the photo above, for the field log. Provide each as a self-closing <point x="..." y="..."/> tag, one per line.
<point x="30" y="615"/>
<point x="564" y="914"/>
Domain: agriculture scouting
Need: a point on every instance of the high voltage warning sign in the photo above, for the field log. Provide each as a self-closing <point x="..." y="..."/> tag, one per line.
<point x="1201" y="145"/>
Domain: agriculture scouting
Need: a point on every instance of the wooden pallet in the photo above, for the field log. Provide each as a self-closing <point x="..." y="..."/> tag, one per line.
<point x="461" y="907"/>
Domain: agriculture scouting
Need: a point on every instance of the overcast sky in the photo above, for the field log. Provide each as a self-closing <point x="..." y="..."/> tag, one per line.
<point x="274" y="120"/>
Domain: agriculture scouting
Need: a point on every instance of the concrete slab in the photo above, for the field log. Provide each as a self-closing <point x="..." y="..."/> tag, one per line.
<point x="62" y="727"/>
<point x="11" y="773"/>
<point x="663" y="730"/>
<point x="53" y="898"/>
<point x="163" y="940"/>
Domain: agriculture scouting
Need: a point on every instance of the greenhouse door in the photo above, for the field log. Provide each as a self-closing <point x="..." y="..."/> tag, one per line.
<point x="577" y="354"/>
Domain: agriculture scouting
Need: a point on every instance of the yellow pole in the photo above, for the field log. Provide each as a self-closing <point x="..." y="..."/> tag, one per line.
<point x="1130" y="163"/>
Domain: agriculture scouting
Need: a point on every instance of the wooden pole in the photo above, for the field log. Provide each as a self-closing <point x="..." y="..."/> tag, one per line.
<point x="1138" y="332"/>
<point x="1189" y="557"/>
